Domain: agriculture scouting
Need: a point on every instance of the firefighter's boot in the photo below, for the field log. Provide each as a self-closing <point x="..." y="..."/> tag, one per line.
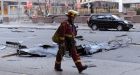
<point x="58" y="67"/>
<point x="80" y="67"/>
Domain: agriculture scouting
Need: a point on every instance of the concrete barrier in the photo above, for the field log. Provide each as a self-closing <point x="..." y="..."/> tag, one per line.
<point x="35" y="20"/>
<point x="42" y="19"/>
<point x="131" y="13"/>
<point x="136" y="19"/>
<point x="6" y="19"/>
<point x="48" y="20"/>
<point x="59" y="19"/>
<point x="81" y="19"/>
<point x="127" y="17"/>
<point x="52" y="18"/>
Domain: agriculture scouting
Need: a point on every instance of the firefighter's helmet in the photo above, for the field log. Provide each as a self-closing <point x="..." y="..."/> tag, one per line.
<point x="72" y="13"/>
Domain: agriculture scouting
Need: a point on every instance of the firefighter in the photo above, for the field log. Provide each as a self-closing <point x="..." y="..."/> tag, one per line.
<point x="67" y="32"/>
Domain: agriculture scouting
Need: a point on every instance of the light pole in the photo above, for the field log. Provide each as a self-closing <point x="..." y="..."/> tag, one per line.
<point x="19" y="11"/>
<point x="88" y="5"/>
<point x="120" y="6"/>
<point x="2" y="9"/>
<point x="73" y="7"/>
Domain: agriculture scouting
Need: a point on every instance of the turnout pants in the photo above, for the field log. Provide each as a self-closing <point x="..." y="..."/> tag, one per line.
<point x="73" y="52"/>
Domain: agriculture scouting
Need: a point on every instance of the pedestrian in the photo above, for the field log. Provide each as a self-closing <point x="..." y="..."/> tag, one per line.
<point x="67" y="32"/>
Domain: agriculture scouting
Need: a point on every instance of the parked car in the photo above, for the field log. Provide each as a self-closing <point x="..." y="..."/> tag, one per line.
<point x="108" y="21"/>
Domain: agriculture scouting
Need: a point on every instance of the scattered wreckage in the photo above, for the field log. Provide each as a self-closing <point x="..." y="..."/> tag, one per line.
<point x="85" y="49"/>
<point x="94" y="47"/>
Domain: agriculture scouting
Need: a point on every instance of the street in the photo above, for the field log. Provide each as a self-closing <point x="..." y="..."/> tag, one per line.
<point x="107" y="40"/>
<point x="122" y="61"/>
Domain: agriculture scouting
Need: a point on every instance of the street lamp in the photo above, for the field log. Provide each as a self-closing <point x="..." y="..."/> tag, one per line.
<point x="19" y="11"/>
<point x="120" y="6"/>
<point x="74" y="1"/>
<point x="2" y="9"/>
<point x="88" y="5"/>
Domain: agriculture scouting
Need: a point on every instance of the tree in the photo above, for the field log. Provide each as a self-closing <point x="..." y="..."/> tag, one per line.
<point x="46" y="10"/>
<point x="137" y="11"/>
<point x="40" y="9"/>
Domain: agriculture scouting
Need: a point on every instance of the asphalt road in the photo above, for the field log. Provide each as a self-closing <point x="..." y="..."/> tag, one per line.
<point x="35" y="36"/>
<point x="37" y="66"/>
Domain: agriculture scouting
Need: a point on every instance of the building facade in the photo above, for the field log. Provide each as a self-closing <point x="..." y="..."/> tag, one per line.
<point x="131" y="5"/>
<point x="98" y="6"/>
<point x="13" y="8"/>
<point x="44" y="7"/>
<point x="58" y="7"/>
<point x="109" y="5"/>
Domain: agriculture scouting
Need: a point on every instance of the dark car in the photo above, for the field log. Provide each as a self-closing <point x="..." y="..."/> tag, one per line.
<point x="108" y="21"/>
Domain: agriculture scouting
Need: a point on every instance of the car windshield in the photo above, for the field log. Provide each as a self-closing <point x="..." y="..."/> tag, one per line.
<point x="116" y="17"/>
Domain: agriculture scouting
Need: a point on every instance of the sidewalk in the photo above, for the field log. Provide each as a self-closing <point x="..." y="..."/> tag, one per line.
<point x="48" y="25"/>
<point x="41" y="25"/>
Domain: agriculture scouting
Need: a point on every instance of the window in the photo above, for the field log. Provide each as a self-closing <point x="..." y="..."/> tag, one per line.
<point x="101" y="17"/>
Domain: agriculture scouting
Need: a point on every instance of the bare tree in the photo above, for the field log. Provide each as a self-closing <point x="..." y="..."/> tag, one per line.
<point x="40" y="9"/>
<point x="46" y="10"/>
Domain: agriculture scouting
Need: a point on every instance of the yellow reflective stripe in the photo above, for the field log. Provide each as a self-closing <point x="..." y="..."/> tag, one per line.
<point x="77" y="61"/>
<point x="68" y="35"/>
<point x="57" y="62"/>
<point x="61" y="38"/>
<point x="73" y="15"/>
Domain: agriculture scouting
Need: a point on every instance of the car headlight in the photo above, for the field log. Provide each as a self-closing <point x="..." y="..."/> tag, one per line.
<point x="125" y="21"/>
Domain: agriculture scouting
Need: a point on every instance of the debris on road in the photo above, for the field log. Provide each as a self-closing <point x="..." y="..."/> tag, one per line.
<point x="17" y="31"/>
<point x="8" y="55"/>
<point x="39" y="51"/>
<point x="2" y="47"/>
<point x="85" y="49"/>
<point x="94" y="47"/>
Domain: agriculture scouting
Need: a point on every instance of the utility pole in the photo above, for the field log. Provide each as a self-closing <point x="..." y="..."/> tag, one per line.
<point x="88" y="5"/>
<point x="19" y="9"/>
<point x="120" y="6"/>
<point x="73" y="7"/>
<point x="2" y="9"/>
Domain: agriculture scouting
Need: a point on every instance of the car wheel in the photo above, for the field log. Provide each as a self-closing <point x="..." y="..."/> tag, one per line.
<point x="94" y="27"/>
<point x="119" y="27"/>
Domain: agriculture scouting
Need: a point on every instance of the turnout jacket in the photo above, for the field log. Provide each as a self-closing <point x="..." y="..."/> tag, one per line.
<point x="66" y="31"/>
